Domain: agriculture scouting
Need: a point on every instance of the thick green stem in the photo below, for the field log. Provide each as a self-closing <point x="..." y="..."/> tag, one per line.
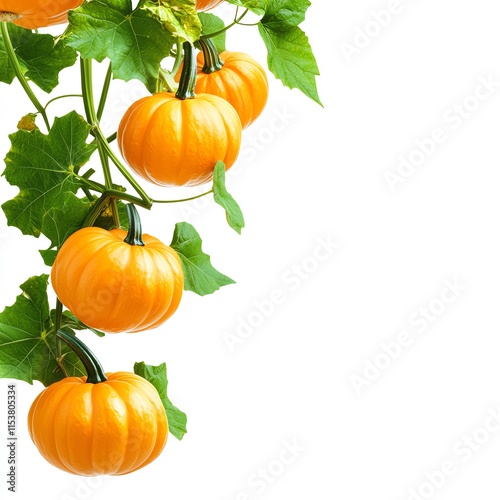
<point x="88" y="96"/>
<point x="105" y="151"/>
<point x="123" y="170"/>
<point x="58" y="320"/>
<point x="134" y="235"/>
<point x="96" y="211"/>
<point x="212" y="61"/>
<point x="187" y="81"/>
<point x="11" y="55"/>
<point x="95" y="372"/>
<point x="104" y="93"/>
<point x="93" y="119"/>
<point x="178" y="58"/>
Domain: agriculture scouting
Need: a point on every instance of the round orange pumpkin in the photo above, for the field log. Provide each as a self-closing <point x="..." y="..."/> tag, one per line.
<point x="203" y="5"/>
<point x="112" y="423"/>
<point x="33" y="14"/>
<point x="176" y="140"/>
<point x="112" y="282"/>
<point x="234" y="76"/>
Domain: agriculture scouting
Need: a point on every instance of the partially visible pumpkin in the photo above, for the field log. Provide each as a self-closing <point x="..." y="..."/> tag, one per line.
<point x="234" y="76"/>
<point x="203" y="5"/>
<point x="34" y="14"/>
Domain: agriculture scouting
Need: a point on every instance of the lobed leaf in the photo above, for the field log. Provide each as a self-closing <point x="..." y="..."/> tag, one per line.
<point x="132" y="39"/>
<point x="28" y="340"/>
<point x="290" y="56"/>
<point x="43" y="167"/>
<point x="41" y="57"/>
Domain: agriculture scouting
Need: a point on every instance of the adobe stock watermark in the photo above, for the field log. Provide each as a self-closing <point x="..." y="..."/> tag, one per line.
<point x="418" y="322"/>
<point x="462" y="451"/>
<point x="258" y="139"/>
<point x="366" y="33"/>
<point x="453" y="118"/>
<point x="292" y="279"/>
<point x="264" y="477"/>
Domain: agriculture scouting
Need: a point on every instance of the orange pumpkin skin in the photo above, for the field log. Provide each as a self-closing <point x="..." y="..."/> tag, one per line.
<point x="177" y="142"/>
<point x="35" y="14"/>
<point x="241" y="81"/>
<point x="203" y="5"/>
<point x="113" y="427"/>
<point x="116" y="287"/>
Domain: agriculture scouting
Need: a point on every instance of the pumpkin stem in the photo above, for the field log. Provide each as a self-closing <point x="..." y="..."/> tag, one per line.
<point x="211" y="57"/>
<point x="95" y="372"/>
<point x="134" y="235"/>
<point x="187" y="80"/>
<point x="8" y="17"/>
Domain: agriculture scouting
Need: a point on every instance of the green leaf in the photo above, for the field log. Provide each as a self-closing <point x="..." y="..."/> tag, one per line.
<point x="225" y="200"/>
<point x="178" y="16"/>
<point x="43" y="168"/>
<point x="211" y="24"/>
<point x="157" y="375"/>
<point x="132" y="40"/>
<point x="28" y="340"/>
<point x="282" y="14"/>
<point x="290" y="56"/>
<point x="41" y="57"/>
<point x="199" y="275"/>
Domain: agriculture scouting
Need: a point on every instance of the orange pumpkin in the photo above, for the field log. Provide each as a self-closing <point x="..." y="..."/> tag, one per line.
<point x="234" y="76"/>
<point x="176" y="140"/>
<point x="33" y="14"/>
<point x="203" y="5"/>
<point x="112" y="282"/>
<point x="112" y="423"/>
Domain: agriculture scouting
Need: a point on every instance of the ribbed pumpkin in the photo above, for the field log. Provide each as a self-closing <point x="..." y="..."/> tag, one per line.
<point x="176" y="140"/>
<point x="111" y="423"/>
<point x="234" y="76"/>
<point x="112" y="282"/>
<point x="33" y="14"/>
<point x="203" y="5"/>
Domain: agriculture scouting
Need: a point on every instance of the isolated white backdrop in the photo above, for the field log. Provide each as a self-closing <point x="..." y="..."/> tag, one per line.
<point x="378" y="364"/>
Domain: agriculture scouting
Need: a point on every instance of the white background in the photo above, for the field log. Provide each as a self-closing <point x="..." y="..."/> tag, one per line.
<point x="308" y="174"/>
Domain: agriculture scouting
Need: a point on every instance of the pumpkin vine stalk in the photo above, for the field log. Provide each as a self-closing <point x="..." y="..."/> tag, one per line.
<point x="14" y="62"/>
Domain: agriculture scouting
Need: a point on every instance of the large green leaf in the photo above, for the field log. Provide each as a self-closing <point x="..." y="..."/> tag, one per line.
<point x="132" y="39"/>
<point x="199" y="275"/>
<point x="41" y="57"/>
<point x="28" y="339"/>
<point x="43" y="167"/>
<point x="157" y="375"/>
<point x="290" y="56"/>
